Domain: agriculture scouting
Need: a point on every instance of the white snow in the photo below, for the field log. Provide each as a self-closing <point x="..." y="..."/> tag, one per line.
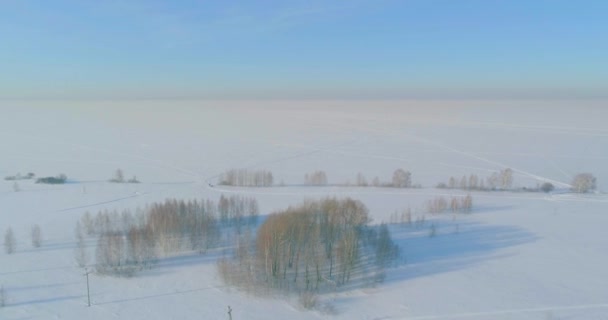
<point x="519" y="255"/>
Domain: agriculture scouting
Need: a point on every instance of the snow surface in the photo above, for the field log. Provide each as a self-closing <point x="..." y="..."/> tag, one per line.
<point x="519" y="255"/>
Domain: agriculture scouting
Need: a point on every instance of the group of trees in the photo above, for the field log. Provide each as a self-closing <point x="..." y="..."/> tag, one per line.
<point x="316" y="245"/>
<point x="246" y="178"/>
<point x="316" y="178"/>
<point x="456" y="204"/>
<point x="501" y="180"/>
<point x="128" y="242"/>
<point x="18" y="176"/>
<point x="119" y="177"/>
<point x="400" y="179"/>
<point x="238" y="211"/>
<point x="59" y="179"/>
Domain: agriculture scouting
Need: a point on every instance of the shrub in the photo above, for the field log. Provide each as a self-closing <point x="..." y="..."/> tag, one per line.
<point x="547" y="187"/>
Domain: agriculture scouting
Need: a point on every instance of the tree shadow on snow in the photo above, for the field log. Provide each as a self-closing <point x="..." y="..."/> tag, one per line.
<point x="455" y="245"/>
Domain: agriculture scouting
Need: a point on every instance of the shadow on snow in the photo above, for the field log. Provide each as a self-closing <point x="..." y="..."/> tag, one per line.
<point x="454" y="246"/>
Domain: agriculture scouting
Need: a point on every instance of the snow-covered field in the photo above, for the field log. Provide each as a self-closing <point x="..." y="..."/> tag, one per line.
<point x="518" y="255"/>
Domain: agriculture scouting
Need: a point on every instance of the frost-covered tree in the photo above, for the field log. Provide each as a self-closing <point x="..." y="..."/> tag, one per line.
<point x="584" y="182"/>
<point x="9" y="241"/>
<point x="80" y="252"/>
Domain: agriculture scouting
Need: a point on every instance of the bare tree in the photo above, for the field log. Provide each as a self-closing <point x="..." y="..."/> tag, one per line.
<point x="36" y="236"/>
<point x="493" y="181"/>
<point x="402" y="179"/>
<point x="506" y="178"/>
<point x="80" y="252"/>
<point x="452" y="183"/>
<point x="455" y="205"/>
<point x="467" y="203"/>
<point x="9" y="241"/>
<point x="584" y="182"/>
<point x="376" y="182"/>
<point x="119" y="177"/>
<point x="437" y="205"/>
<point x="463" y="183"/>
<point x="361" y="181"/>
<point x="317" y="178"/>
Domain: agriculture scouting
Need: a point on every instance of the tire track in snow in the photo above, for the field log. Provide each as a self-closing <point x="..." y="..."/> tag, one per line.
<point x="102" y="203"/>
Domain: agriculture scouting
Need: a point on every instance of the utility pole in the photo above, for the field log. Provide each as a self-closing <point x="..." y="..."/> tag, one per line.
<point x="86" y="273"/>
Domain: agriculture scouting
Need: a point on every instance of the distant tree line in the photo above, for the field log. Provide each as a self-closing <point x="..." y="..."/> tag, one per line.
<point x="59" y="179"/>
<point x="400" y="179"/>
<point x="18" y="176"/>
<point x="501" y="180"/>
<point x="455" y="204"/>
<point x="316" y="178"/>
<point x="119" y="177"/>
<point x="246" y="178"/>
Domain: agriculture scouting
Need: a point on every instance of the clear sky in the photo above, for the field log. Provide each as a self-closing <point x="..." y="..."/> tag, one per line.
<point x="353" y="49"/>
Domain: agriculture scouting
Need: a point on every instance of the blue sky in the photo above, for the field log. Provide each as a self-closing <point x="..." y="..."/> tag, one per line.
<point x="355" y="49"/>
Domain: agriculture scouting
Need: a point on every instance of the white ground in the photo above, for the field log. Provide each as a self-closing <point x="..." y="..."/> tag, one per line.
<point x="517" y="256"/>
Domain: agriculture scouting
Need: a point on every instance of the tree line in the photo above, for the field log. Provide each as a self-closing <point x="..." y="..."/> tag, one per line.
<point x="501" y="180"/>
<point x="246" y="178"/>
<point x="131" y="241"/>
